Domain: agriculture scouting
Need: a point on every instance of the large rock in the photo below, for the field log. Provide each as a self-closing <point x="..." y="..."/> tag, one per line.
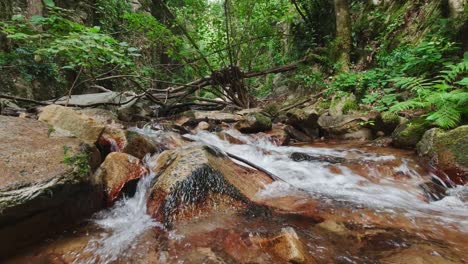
<point x="116" y="171"/>
<point x="407" y="135"/>
<point x="254" y="123"/>
<point x="447" y="151"/>
<point x="346" y="126"/>
<point x="198" y="180"/>
<point x="304" y="120"/>
<point x="192" y="118"/>
<point x="80" y="125"/>
<point x="45" y="182"/>
<point x="139" y="145"/>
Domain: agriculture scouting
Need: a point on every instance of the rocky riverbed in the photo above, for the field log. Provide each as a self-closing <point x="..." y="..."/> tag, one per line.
<point x="80" y="186"/>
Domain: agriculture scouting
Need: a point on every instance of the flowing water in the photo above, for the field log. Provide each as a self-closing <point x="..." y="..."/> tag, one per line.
<point x="358" y="181"/>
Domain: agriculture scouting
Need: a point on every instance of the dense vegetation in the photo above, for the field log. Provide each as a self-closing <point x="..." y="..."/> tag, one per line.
<point x="402" y="55"/>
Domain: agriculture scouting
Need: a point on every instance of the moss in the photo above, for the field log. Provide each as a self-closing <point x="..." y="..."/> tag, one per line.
<point x="324" y="104"/>
<point x="456" y="141"/>
<point x="263" y="120"/>
<point x="350" y="105"/>
<point x="409" y="134"/>
<point x="79" y="161"/>
<point x="390" y="118"/>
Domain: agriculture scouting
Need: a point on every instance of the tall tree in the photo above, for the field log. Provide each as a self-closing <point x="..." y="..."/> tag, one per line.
<point x="343" y="32"/>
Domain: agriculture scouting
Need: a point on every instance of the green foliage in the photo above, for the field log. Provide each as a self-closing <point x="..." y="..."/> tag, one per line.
<point x="79" y="161"/>
<point x="444" y="97"/>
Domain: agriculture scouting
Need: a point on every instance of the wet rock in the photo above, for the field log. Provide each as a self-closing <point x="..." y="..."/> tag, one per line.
<point x="297" y="135"/>
<point x="254" y="123"/>
<point x="139" y="145"/>
<point x="229" y="138"/>
<point x="192" y="118"/>
<point x="340" y="125"/>
<point x="117" y="170"/>
<point x="447" y="151"/>
<point x="304" y="120"/>
<point x="80" y="125"/>
<point x="433" y="191"/>
<point x="203" y="126"/>
<point x="278" y="135"/>
<point x="198" y="180"/>
<point x="407" y="135"/>
<point x="286" y="246"/>
<point x="45" y="182"/>
<point x="419" y="254"/>
<point x="297" y="156"/>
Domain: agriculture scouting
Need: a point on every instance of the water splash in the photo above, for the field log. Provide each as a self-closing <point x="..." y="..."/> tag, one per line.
<point x="121" y="225"/>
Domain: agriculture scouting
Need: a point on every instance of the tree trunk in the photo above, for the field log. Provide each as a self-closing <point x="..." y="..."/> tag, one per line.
<point x="343" y="33"/>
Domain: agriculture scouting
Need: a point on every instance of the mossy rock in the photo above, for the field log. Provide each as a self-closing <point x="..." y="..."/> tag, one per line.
<point x="447" y="151"/>
<point x="390" y="121"/>
<point x="343" y="105"/>
<point x="254" y="123"/>
<point x="407" y="135"/>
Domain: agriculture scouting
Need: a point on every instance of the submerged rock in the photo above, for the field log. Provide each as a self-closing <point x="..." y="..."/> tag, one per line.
<point x="116" y="171"/>
<point x="286" y="245"/>
<point x="297" y="156"/>
<point x="199" y="180"/>
<point x="254" y="123"/>
<point x="407" y="135"/>
<point x="45" y="182"/>
<point x="447" y="151"/>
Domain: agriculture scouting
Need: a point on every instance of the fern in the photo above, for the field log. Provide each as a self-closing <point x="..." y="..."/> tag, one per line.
<point x="445" y="98"/>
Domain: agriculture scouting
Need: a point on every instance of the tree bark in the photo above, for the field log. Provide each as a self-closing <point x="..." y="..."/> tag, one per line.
<point x="343" y="33"/>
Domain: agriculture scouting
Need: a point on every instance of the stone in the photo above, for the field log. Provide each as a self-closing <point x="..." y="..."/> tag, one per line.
<point x="361" y="134"/>
<point x="139" y="145"/>
<point x="343" y="105"/>
<point x="296" y="134"/>
<point x="304" y="120"/>
<point x="286" y="245"/>
<point x="390" y="121"/>
<point x="116" y="171"/>
<point x="298" y="156"/>
<point x="407" y="135"/>
<point x="192" y="117"/>
<point x="200" y="180"/>
<point x="46" y="183"/>
<point x="278" y="135"/>
<point x="254" y="123"/>
<point x="433" y="191"/>
<point x="203" y="126"/>
<point x="80" y="125"/>
<point x="446" y="150"/>
<point x="339" y="125"/>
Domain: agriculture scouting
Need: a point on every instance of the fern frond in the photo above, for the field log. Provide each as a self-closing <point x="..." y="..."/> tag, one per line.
<point x="410" y="104"/>
<point x="446" y="116"/>
<point x="413" y="83"/>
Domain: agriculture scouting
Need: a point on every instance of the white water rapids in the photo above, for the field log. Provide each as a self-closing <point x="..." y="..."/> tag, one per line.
<point x="122" y="224"/>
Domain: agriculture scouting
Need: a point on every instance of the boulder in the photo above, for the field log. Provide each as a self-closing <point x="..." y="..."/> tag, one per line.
<point x="138" y="145"/>
<point x="341" y="105"/>
<point x="141" y="110"/>
<point x="286" y="245"/>
<point x="200" y="180"/>
<point x="407" y="135"/>
<point x="254" y="123"/>
<point x="446" y="150"/>
<point x="80" y="125"/>
<point x="304" y="120"/>
<point x="192" y="117"/>
<point x="296" y="134"/>
<point x="203" y="126"/>
<point x="45" y="182"/>
<point x="347" y="126"/>
<point x="116" y="171"/>
<point x="278" y="135"/>
<point x="390" y="121"/>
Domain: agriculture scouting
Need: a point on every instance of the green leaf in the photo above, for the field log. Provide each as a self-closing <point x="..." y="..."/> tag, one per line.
<point x="49" y="3"/>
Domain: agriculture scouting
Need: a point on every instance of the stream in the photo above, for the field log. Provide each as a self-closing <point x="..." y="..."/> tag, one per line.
<point x="361" y="184"/>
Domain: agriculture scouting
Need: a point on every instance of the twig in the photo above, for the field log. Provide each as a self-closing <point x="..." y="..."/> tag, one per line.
<point x="73" y="85"/>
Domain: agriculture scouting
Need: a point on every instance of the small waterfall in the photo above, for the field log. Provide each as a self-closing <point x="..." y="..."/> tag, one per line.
<point x="121" y="225"/>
